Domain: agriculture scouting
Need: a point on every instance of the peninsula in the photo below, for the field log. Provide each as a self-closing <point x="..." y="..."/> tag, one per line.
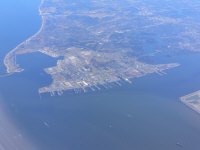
<point x="95" y="42"/>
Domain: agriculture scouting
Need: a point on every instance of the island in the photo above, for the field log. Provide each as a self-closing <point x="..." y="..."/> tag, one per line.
<point x="97" y="43"/>
<point x="192" y="100"/>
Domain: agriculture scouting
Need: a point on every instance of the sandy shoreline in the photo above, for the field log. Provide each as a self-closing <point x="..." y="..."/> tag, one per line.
<point x="12" y="137"/>
<point x="10" y="58"/>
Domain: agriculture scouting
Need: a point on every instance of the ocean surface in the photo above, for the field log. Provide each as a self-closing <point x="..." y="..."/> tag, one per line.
<point x="145" y="115"/>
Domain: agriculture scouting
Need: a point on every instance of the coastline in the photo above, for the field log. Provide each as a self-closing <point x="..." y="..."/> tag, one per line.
<point x="10" y="57"/>
<point x="13" y="136"/>
<point x="191" y="107"/>
<point x="189" y="104"/>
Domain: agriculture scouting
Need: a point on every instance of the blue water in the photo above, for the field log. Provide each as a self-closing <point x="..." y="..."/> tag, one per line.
<point x="19" y="20"/>
<point x="146" y="115"/>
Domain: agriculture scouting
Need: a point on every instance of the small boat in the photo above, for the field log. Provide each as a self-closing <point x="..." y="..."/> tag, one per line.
<point x="179" y="144"/>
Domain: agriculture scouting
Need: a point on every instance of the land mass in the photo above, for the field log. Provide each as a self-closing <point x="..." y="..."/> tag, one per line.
<point x="100" y="42"/>
<point x="192" y="100"/>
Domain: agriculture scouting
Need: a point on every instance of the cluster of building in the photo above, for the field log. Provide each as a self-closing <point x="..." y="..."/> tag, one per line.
<point x="81" y="70"/>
